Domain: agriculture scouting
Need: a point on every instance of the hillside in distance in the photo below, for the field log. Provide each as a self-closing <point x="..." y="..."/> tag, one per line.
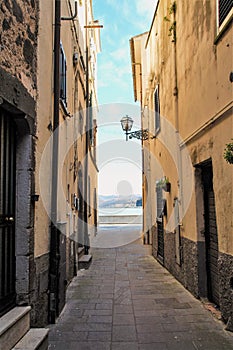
<point x="116" y="201"/>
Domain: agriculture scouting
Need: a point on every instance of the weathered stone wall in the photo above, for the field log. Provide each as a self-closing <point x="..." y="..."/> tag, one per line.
<point x="225" y="263"/>
<point x="39" y="295"/>
<point x="18" y="90"/>
<point x="18" y="40"/>
<point x="187" y="271"/>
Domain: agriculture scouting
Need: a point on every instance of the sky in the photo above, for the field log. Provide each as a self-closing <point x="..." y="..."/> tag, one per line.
<point x="121" y="20"/>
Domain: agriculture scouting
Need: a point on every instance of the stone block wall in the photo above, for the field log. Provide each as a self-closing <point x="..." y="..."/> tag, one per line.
<point x="18" y="40"/>
<point x="225" y="263"/>
<point x="187" y="271"/>
<point x="39" y="296"/>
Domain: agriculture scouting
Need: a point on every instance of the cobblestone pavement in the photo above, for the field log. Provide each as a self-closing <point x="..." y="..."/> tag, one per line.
<point x="128" y="301"/>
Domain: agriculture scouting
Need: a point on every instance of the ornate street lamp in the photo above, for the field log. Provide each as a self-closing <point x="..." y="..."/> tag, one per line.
<point x="127" y="123"/>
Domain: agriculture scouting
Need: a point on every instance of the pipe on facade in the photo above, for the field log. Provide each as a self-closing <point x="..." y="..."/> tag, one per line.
<point x="177" y="128"/>
<point x="54" y="236"/>
<point x="74" y="15"/>
<point x="86" y="237"/>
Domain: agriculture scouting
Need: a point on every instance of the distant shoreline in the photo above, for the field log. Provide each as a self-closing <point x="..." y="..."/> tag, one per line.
<point x="121" y="211"/>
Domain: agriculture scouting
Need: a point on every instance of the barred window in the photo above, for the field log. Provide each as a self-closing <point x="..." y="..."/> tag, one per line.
<point x="224" y="8"/>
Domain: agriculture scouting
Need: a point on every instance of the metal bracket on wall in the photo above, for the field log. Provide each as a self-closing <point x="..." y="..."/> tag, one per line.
<point x="139" y="134"/>
<point x="74" y="16"/>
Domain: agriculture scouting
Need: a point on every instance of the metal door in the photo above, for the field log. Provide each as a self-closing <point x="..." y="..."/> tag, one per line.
<point x="160" y="238"/>
<point x="7" y="212"/>
<point x="211" y="236"/>
<point x="159" y="222"/>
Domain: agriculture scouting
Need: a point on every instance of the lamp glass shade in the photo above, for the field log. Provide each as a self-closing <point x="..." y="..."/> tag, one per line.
<point x="126" y="123"/>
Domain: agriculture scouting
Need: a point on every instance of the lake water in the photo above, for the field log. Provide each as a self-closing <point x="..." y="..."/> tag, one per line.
<point x="120" y="211"/>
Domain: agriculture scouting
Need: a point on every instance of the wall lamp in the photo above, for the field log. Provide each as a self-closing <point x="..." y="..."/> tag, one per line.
<point x="127" y="123"/>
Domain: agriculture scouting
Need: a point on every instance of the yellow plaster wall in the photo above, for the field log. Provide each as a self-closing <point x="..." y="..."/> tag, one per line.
<point x="204" y="93"/>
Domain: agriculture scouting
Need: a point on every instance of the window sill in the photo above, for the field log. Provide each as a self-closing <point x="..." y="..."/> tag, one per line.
<point x="222" y="29"/>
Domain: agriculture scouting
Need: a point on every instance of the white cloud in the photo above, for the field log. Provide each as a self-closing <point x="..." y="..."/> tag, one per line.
<point x="121" y="54"/>
<point x="146" y="8"/>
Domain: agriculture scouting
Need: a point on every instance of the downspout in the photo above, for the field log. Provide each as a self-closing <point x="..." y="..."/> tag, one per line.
<point x="54" y="234"/>
<point x="86" y="237"/>
<point x="176" y="103"/>
<point x="179" y="208"/>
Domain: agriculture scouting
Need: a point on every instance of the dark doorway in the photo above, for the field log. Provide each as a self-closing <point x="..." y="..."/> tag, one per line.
<point x="160" y="224"/>
<point x="80" y="208"/>
<point x="7" y="212"/>
<point x="211" y="234"/>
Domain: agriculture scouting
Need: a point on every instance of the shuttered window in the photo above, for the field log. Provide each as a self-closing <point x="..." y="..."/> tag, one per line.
<point x="224" y="8"/>
<point x="63" y="76"/>
<point x="157" y="110"/>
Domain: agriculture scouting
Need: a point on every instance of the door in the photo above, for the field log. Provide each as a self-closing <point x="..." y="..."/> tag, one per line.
<point x="95" y="211"/>
<point x="211" y="235"/>
<point x="7" y="212"/>
<point x="160" y="224"/>
<point x="80" y="210"/>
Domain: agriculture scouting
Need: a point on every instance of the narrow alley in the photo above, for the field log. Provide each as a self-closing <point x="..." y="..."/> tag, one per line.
<point x="127" y="300"/>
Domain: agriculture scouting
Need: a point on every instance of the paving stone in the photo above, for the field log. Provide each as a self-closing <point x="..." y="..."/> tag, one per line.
<point x="123" y="319"/>
<point x="93" y="327"/>
<point x="100" y="336"/>
<point x="149" y="328"/>
<point x="98" y="312"/>
<point x="125" y="346"/>
<point x="123" y="309"/>
<point x="153" y="337"/>
<point x="100" y="319"/>
<point x="102" y="306"/>
<point x="154" y="346"/>
<point x="124" y="333"/>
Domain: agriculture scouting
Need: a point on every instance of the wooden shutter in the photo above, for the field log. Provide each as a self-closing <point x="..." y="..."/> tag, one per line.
<point x="157" y="110"/>
<point x="224" y="7"/>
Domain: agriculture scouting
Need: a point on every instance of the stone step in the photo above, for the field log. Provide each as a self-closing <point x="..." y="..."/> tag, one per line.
<point x="13" y="326"/>
<point x="85" y="261"/>
<point x="35" y="339"/>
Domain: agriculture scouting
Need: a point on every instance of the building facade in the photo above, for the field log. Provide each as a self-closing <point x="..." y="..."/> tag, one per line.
<point x="182" y="73"/>
<point x="48" y="139"/>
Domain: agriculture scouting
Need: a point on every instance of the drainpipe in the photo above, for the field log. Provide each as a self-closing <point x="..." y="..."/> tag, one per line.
<point x="86" y="237"/>
<point x="54" y="234"/>
<point x="176" y="103"/>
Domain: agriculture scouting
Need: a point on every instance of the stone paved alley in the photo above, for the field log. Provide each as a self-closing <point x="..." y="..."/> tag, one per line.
<point x="128" y="301"/>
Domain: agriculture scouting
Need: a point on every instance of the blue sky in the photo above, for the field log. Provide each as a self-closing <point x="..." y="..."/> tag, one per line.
<point x="121" y="20"/>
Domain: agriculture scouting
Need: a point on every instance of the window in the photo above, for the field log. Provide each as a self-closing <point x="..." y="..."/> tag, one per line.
<point x="159" y="197"/>
<point x="224" y="9"/>
<point x="63" y="75"/>
<point x="91" y="134"/>
<point x="157" y="110"/>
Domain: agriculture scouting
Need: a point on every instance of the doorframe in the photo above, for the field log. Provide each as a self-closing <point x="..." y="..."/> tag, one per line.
<point x="201" y="228"/>
<point x="8" y="159"/>
<point x="21" y="107"/>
